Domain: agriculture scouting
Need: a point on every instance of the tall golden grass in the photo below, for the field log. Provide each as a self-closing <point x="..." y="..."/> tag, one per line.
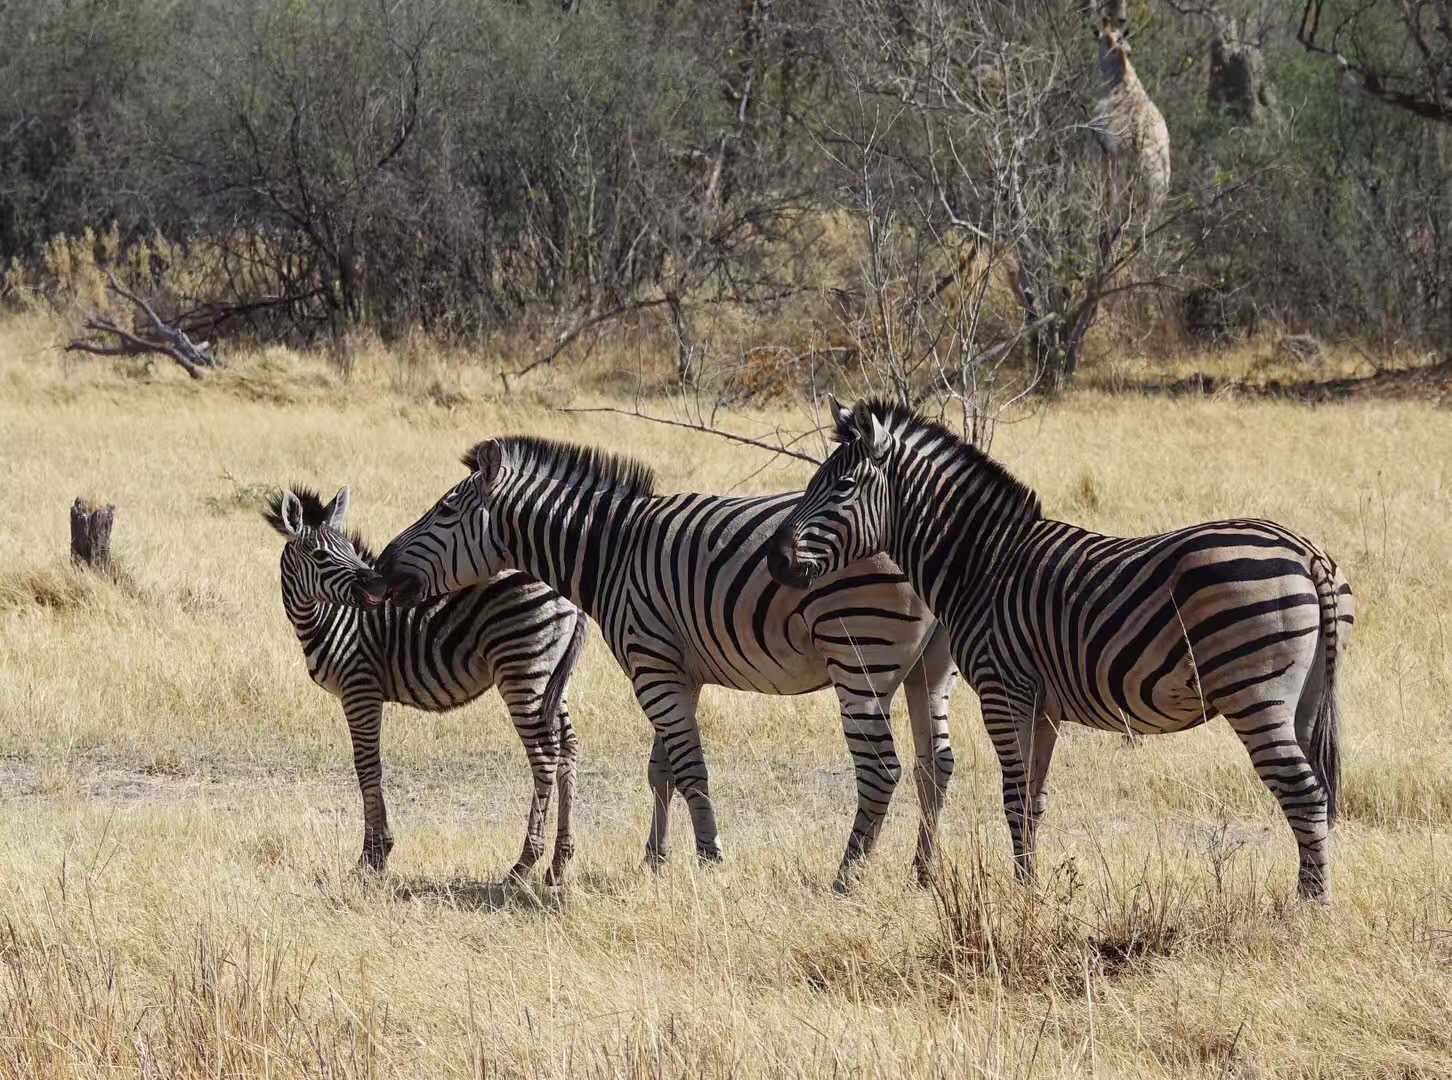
<point x="178" y="819"/>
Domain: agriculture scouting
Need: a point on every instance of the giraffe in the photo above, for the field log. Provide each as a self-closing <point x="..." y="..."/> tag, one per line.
<point x="1130" y="129"/>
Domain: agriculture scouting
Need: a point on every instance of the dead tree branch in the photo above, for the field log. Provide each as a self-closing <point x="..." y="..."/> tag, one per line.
<point x="162" y="339"/>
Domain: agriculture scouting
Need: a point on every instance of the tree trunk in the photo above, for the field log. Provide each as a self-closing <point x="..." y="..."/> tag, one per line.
<point x="91" y="535"/>
<point x="1237" y="73"/>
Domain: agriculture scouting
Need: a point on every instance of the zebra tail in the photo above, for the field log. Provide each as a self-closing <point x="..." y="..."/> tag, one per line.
<point x="1325" y="735"/>
<point x="554" y="691"/>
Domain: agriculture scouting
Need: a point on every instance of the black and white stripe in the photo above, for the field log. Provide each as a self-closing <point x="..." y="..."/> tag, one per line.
<point x="509" y="632"/>
<point x="1054" y="624"/>
<point x="680" y="588"/>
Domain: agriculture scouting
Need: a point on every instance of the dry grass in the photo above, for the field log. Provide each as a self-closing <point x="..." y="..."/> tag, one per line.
<point x="179" y="816"/>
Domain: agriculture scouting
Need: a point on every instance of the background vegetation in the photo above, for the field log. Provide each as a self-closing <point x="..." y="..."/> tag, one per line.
<point x="787" y="190"/>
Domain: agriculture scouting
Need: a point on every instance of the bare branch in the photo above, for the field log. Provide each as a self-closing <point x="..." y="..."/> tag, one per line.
<point x="781" y="449"/>
<point x="1430" y="100"/>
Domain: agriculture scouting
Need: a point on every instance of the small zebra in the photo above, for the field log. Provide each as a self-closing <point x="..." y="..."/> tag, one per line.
<point x="508" y="632"/>
<point x="680" y="589"/>
<point x="1053" y="624"/>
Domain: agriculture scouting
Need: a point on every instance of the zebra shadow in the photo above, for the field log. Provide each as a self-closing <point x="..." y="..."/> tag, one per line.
<point x="462" y="893"/>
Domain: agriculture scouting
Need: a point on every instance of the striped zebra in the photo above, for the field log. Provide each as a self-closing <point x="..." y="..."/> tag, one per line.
<point x="680" y="589"/>
<point x="1054" y="624"/>
<point x="508" y="632"/>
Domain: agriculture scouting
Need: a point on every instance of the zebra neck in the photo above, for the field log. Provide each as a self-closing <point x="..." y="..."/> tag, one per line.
<point x="313" y="620"/>
<point x="574" y="542"/>
<point x="954" y="519"/>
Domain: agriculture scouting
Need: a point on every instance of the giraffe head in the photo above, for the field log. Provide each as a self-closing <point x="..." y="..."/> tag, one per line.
<point x="1114" y="51"/>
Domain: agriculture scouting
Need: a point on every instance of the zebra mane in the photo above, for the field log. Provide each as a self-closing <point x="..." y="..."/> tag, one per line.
<point x="901" y="420"/>
<point x="617" y="472"/>
<point x="313" y="517"/>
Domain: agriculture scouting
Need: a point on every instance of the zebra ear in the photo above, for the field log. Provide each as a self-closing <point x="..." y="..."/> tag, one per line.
<point x="337" y="510"/>
<point x="290" y="514"/>
<point x="844" y="430"/>
<point x="489" y="463"/>
<point x="872" y="431"/>
<point x="879" y="440"/>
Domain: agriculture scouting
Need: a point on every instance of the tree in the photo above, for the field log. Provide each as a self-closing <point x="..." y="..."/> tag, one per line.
<point x="1398" y="52"/>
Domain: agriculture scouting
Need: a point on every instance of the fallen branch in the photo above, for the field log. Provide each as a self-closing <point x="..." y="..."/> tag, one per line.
<point x="780" y="448"/>
<point x="162" y="339"/>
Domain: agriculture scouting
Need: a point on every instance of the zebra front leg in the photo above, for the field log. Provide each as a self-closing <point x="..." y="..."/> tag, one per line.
<point x="1025" y="748"/>
<point x="1038" y="751"/>
<point x="672" y="712"/>
<point x="565" y="787"/>
<point x="929" y="687"/>
<point x="662" y="791"/>
<point x="364" y="713"/>
<point x="540" y="736"/>
<point x="877" y="769"/>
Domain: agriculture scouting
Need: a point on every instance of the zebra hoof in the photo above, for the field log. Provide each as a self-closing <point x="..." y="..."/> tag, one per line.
<point x="375" y="853"/>
<point x="1314" y="891"/>
<point x="655" y="861"/>
<point x="710" y="856"/>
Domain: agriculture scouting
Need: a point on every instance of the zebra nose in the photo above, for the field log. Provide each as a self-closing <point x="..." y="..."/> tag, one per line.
<point x="373" y="587"/>
<point x="781" y="559"/>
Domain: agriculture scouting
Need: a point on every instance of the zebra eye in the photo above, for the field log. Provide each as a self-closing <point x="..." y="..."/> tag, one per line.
<point x="846" y="482"/>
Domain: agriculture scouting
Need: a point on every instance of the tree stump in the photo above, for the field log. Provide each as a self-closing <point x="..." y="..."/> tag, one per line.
<point x="91" y="535"/>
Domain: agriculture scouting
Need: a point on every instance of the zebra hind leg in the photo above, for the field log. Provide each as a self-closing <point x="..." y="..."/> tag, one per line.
<point x="565" y="790"/>
<point x="1267" y="730"/>
<point x="875" y="763"/>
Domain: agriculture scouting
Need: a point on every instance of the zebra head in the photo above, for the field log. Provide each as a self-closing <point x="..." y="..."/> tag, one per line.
<point x="320" y="562"/>
<point x="451" y="546"/>
<point x="842" y="516"/>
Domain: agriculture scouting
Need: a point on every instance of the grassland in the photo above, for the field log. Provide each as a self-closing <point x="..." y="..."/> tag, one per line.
<point x="178" y="818"/>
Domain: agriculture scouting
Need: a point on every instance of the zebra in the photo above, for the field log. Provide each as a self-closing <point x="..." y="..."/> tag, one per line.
<point x="1053" y="624"/>
<point x="508" y="632"/>
<point x="681" y="592"/>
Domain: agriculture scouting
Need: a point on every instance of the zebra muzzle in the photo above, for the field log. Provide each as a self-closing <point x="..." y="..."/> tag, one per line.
<point x="784" y="564"/>
<point x="371" y="590"/>
<point x="404" y="589"/>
